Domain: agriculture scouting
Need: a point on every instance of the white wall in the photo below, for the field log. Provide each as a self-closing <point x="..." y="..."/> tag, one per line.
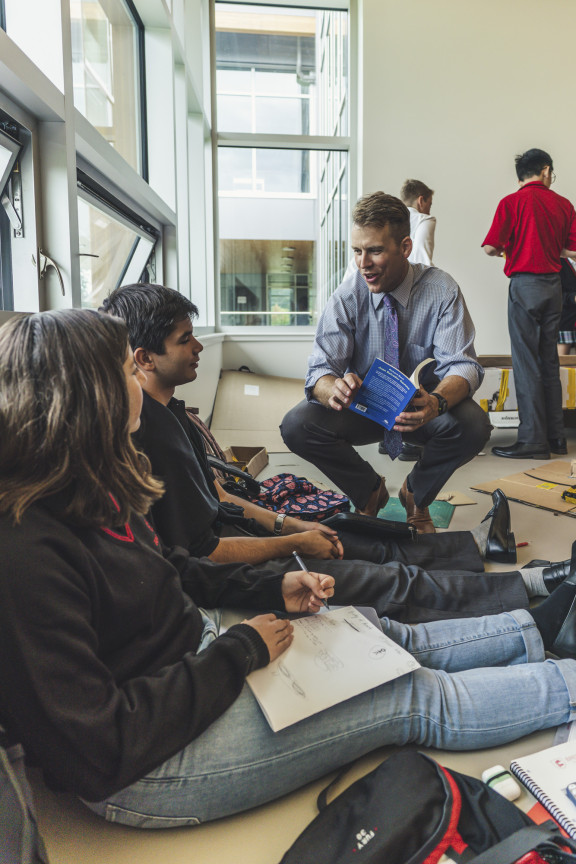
<point x="452" y="92"/>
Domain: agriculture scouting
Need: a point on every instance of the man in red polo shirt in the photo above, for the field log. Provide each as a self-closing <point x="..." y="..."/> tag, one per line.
<point x="533" y="228"/>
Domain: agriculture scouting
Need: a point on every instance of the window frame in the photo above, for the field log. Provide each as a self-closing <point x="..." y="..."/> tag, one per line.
<point x="283" y="141"/>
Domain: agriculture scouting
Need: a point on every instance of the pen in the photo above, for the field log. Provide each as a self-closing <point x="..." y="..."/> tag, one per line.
<point x="303" y="567"/>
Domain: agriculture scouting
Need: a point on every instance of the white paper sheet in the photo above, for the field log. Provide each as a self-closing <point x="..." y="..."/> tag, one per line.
<point x="333" y="657"/>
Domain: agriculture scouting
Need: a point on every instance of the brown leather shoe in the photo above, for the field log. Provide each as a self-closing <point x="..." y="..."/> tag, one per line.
<point x="377" y="500"/>
<point x="418" y="517"/>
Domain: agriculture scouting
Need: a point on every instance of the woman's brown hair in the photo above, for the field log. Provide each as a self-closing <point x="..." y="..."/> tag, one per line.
<point x="64" y="415"/>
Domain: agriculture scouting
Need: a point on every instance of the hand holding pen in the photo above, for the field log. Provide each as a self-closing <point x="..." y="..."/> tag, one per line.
<point x="325" y="602"/>
<point x="305" y="569"/>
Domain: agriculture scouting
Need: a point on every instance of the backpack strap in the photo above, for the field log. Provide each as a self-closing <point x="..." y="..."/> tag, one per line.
<point x="21" y="841"/>
<point x="322" y="800"/>
<point x="546" y="836"/>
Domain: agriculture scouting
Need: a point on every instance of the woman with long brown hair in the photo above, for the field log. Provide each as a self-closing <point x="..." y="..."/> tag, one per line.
<point x="118" y="682"/>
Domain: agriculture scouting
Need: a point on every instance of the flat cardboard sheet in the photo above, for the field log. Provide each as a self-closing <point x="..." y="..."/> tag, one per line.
<point x="541" y="486"/>
<point x="249" y="409"/>
<point x="455" y="498"/>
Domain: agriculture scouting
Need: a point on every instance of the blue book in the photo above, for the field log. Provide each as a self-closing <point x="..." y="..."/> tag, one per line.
<point x="386" y="391"/>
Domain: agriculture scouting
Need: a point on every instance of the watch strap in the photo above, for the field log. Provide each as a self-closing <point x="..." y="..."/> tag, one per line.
<point x="279" y="523"/>
<point x="442" y="403"/>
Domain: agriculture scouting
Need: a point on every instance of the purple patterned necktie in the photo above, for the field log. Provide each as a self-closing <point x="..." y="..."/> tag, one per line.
<point x="392" y="439"/>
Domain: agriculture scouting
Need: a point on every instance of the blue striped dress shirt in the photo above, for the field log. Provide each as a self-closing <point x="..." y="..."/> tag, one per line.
<point x="433" y="321"/>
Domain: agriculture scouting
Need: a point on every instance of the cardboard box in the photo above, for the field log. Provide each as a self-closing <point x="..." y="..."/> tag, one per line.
<point x="497" y="391"/>
<point x="250" y="459"/>
<point x="539" y="487"/>
<point x="504" y="419"/>
<point x="249" y="409"/>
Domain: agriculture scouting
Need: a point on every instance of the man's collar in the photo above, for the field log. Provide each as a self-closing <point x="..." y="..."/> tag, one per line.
<point x="533" y="183"/>
<point x="401" y="294"/>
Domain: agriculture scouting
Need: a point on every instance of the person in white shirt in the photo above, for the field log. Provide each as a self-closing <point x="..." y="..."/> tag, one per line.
<point x="418" y="198"/>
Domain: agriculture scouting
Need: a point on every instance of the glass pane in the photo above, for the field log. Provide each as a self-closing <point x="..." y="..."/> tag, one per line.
<point x="282" y="116"/>
<point x="9" y="150"/>
<point x="264" y="171"/>
<point x="283" y="234"/>
<point x="36" y="27"/>
<point x="106" y="248"/>
<point x="105" y="68"/>
<point x="235" y="112"/>
<point x="269" y="53"/>
<point x="267" y="282"/>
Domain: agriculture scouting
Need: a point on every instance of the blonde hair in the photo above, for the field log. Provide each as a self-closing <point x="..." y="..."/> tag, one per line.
<point x="381" y="209"/>
<point x="64" y="414"/>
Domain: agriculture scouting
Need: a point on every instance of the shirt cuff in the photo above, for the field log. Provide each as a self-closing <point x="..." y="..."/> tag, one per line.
<point x="257" y="654"/>
<point x="472" y="373"/>
<point x="312" y="379"/>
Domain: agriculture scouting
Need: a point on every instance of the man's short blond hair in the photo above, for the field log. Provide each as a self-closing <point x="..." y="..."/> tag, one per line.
<point x="381" y="209"/>
<point x="412" y="190"/>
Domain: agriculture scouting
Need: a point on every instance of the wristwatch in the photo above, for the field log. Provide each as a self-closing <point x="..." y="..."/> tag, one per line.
<point x="278" y="523"/>
<point x="442" y="403"/>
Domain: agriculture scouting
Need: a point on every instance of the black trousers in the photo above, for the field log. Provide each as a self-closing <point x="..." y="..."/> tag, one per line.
<point x="534" y="310"/>
<point x="412" y="595"/>
<point x="453" y="550"/>
<point x="325" y="438"/>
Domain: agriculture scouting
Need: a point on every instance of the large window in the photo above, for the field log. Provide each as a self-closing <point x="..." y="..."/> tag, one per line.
<point x="107" y="53"/>
<point x="281" y="109"/>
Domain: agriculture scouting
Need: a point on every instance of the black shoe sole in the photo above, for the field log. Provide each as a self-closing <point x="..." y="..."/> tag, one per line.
<point x="544" y="455"/>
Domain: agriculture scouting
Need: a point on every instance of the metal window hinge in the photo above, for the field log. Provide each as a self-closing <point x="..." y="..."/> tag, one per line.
<point x="45" y="262"/>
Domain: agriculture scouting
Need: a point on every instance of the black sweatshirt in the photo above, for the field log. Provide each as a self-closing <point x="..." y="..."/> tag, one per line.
<point x="99" y="678"/>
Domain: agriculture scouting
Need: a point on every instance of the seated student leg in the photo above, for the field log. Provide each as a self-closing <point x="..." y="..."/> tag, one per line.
<point x="452" y="550"/>
<point x="239" y="763"/>
<point x="410" y="594"/>
<point x="325" y="438"/>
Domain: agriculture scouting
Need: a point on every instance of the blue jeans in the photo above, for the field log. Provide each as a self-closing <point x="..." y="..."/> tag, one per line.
<point x="484" y="682"/>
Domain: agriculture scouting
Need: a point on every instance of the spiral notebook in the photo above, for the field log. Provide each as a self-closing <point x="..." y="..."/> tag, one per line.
<point x="548" y="776"/>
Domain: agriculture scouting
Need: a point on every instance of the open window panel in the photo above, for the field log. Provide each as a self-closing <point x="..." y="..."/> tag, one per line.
<point x="9" y="151"/>
<point x="10" y="214"/>
<point x="116" y="247"/>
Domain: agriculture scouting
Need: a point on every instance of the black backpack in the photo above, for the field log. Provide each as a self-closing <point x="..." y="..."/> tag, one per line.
<point x="20" y="841"/>
<point x="411" y="810"/>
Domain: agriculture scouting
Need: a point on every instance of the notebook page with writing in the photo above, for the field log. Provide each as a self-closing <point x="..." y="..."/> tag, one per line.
<point x="334" y="656"/>
<point x="547" y="775"/>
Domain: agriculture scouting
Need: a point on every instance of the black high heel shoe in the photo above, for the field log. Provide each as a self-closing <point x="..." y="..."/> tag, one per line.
<point x="501" y="543"/>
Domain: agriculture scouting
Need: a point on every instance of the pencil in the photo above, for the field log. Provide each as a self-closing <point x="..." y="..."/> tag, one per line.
<point x="303" y="567"/>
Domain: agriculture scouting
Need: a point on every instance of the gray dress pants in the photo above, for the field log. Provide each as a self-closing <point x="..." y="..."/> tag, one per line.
<point x="534" y="310"/>
<point x="325" y="438"/>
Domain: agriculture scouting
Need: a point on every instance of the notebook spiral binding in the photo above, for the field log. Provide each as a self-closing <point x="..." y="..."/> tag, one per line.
<point x="544" y="799"/>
